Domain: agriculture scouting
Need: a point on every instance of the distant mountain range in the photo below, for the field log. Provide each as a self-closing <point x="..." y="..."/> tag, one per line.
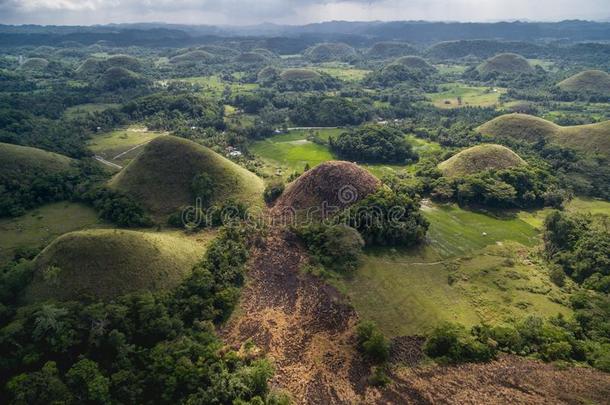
<point x="355" y="33"/>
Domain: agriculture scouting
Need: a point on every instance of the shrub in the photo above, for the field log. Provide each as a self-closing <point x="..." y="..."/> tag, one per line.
<point x="453" y="344"/>
<point x="372" y="343"/>
<point x="387" y="218"/>
<point x="272" y="191"/>
<point x="337" y="247"/>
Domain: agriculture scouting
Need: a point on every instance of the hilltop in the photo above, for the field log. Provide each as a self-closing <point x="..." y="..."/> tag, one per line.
<point x="388" y="49"/>
<point x="192" y="57"/>
<point x="107" y="263"/>
<point x="328" y="51"/>
<point x="22" y="163"/>
<point x="414" y="63"/>
<point x="161" y="176"/>
<point x="589" y="81"/>
<point x="479" y="158"/>
<point x="336" y="183"/>
<point x="592" y="138"/>
<point x="506" y="63"/>
<point x="34" y="64"/>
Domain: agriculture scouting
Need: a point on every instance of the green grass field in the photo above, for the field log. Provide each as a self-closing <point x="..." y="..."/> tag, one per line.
<point x="347" y="74"/>
<point x="84" y="109"/>
<point x="449" y="95"/>
<point x="287" y="153"/>
<point x="121" y="146"/>
<point x="460" y="275"/>
<point x="40" y="226"/>
<point x="290" y="152"/>
<point x="215" y="85"/>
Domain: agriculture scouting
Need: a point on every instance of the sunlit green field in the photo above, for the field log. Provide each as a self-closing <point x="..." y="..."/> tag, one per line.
<point x="347" y="74"/>
<point x="215" y="85"/>
<point x="122" y="145"/>
<point x="455" y="95"/>
<point x="473" y="269"/>
<point x="40" y="226"/>
<point x="288" y="153"/>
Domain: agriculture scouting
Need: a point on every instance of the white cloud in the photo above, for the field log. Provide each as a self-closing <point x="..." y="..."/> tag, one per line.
<point x="292" y="11"/>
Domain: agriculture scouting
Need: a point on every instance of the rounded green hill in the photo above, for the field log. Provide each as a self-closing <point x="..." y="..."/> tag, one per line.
<point x="480" y="158"/>
<point x="589" y="81"/>
<point x="327" y="52"/>
<point x="299" y="74"/>
<point x="161" y="177"/>
<point x="192" y="57"/>
<point x="252" y="57"/>
<point x="32" y="64"/>
<point x="591" y="138"/>
<point x="119" y="78"/>
<point x="123" y="61"/>
<point x="414" y="63"/>
<point x="106" y="263"/>
<point x="388" y="49"/>
<point x="506" y="63"/>
<point x="21" y="163"/>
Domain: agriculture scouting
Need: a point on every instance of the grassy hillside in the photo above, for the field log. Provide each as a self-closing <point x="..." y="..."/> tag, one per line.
<point x="161" y="176"/>
<point x="40" y="226"/>
<point x="414" y="62"/>
<point x="22" y="162"/>
<point x="506" y="63"/>
<point x="106" y="263"/>
<point x="479" y="158"/>
<point x="192" y="57"/>
<point x="385" y="50"/>
<point x="593" y="138"/>
<point x="122" y="145"/>
<point x="326" y="52"/>
<point x="589" y="81"/>
<point x="32" y="64"/>
<point x="299" y="74"/>
<point x="474" y="268"/>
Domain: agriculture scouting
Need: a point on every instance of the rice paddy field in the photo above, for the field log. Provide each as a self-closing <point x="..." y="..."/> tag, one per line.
<point x="455" y="95"/>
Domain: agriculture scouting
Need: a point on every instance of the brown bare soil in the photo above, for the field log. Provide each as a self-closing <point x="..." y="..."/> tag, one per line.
<point x="307" y="329"/>
<point x="335" y="183"/>
<point x="510" y="379"/>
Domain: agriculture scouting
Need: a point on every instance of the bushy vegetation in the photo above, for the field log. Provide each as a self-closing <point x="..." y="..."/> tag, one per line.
<point x="336" y="247"/>
<point x="127" y="350"/>
<point x="387" y="218"/>
<point x="374" y="144"/>
<point x="580" y="245"/>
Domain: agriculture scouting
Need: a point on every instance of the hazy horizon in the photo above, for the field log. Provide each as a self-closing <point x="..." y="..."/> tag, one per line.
<point x="293" y="12"/>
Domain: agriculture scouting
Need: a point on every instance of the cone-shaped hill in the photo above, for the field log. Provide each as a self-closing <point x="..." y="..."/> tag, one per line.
<point x="161" y="177"/>
<point x="480" y="158"/>
<point x="106" y="263"/>
<point x="336" y="183"/>
<point x="592" y="138"/>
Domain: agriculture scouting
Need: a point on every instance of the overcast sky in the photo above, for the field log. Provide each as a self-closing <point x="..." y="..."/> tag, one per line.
<point x="241" y="12"/>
